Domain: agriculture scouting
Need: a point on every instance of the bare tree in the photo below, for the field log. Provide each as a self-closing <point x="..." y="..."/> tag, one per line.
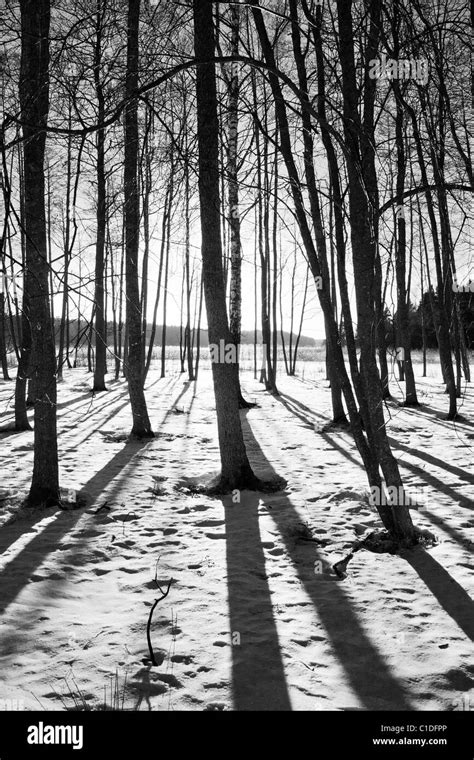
<point x="34" y="102"/>
<point x="236" y="472"/>
<point x="135" y="371"/>
<point x="233" y="90"/>
<point x="100" y="368"/>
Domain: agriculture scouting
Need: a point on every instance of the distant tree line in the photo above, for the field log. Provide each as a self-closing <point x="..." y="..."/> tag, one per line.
<point x="422" y="321"/>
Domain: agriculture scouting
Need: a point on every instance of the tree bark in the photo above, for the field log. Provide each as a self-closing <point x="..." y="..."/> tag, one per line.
<point x="100" y="368"/>
<point x="286" y="148"/>
<point x="34" y="103"/>
<point x="235" y="468"/>
<point x="359" y="138"/>
<point x="3" y="345"/>
<point x="24" y="323"/>
<point x="235" y="300"/>
<point x="400" y="263"/>
<point x="141" y="427"/>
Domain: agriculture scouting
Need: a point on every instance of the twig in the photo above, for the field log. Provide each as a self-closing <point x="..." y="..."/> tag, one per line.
<point x="148" y="636"/>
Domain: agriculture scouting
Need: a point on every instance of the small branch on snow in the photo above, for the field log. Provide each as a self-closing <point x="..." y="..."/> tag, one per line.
<point x="150" y="616"/>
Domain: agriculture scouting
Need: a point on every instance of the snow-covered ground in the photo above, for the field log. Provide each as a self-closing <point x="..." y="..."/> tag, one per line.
<point x="256" y="617"/>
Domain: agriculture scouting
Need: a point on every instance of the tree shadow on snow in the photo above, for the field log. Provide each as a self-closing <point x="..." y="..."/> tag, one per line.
<point x="17" y="573"/>
<point x="300" y="410"/>
<point x="34" y="553"/>
<point x="430" y="459"/>
<point x="438" y="416"/>
<point x="449" y="593"/>
<point x="436" y="483"/>
<point x="357" y="655"/>
<point x="257" y="670"/>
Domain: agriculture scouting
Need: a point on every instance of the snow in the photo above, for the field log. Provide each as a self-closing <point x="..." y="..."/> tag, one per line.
<point x="256" y="617"/>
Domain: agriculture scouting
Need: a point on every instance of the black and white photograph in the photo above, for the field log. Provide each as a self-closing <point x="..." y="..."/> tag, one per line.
<point x="236" y="348"/>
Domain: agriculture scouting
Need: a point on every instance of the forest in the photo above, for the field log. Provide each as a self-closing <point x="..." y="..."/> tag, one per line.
<point x="236" y="339"/>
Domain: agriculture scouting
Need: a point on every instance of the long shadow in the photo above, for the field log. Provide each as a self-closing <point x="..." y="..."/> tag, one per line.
<point x="186" y="385"/>
<point x="427" y="477"/>
<point x="8" y="413"/>
<point x="298" y="409"/>
<point x="76" y="400"/>
<point x="113" y="396"/>
<point x="91" y="410"/>
<point x="112" y="414"/>
<point x="449" y="593"/>
<point x="462" y="501"/>
<point x="437" y="416"/>
<point x="73" y="404"/>
<point x="18" y="572"/>
<point x="187" y="420"/>
<point x="13" y="528"/>
<point x="440" y="463"/>
<point x="437" y="484"/>
<point x="80" y="401"/>
<point x="258" y="678"/>
<point x="376" y="686"/>
<point x="456" y="535"/>
<point x="7" y="431"/>
<point x="110" y="402"/>
<point x="331" y="440"/>
<point x="22" y="526"/>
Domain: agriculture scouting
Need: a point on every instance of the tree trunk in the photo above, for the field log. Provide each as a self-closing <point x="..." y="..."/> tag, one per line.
<point x="362" y="197"/>
<point x="198" y="332"/>
<point x="442" y="326"/>
<point x="21" y="414"/>
<point x="165" y="281"/>
<point x="403" y="296"/>
<point x="189" y="286"/>
<point x="366" y="449"/>
<point x="235" y="468"/>
<point x="100" y="369"/>
<point x="273" y="293"/>
<point x="24" y="331"/>
<point x="292" y="306"/>
<point x="34" y="103"/>
<point x="147" y="179"/>
<point x="141" y="427"/>
<point x="300" y="330"/>
<point x="164" y="228"/>
<point x="3" y="345"/>
<point x="67" y="251"/>
<point x="235" y="300"/>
